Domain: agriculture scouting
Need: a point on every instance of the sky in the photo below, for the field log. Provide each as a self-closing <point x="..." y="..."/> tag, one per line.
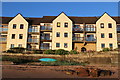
<point x="39" y="9"/>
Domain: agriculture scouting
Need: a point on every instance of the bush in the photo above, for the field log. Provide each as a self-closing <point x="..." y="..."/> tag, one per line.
<point x="61" y="52"/>
<point x="10" y="51"/>
<point x="73" y="52"/>
<point x="106" y="49"/>
<point x="16" y="60"/>
<point x="18" y="49"/>
<point x="49" y="52"/>
<point x="37" y="52"/>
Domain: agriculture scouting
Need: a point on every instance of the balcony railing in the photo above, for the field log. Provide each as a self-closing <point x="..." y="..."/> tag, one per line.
<point x="78" y="38"/>
<point x="118" y="29"/>
<point x="33" y="30"/>
<point x="45" y="28"/>
<point x="78" y="29"/>
<point x="118" y="39"/>
<point x="3" y="39"/>
<point x="31" y="40"/>
<point x="84" y="29"/>
<point x="45" y="38"/>
<point x="45" y="48"/>
<point x="89" y="29"/>
<point x="90" y="39"/>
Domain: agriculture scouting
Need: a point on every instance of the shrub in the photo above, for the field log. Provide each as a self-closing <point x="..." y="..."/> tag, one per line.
<point x="49" y="52"/>
<point x="106" y="49"/>
<point x="37" y="52"/>
<point x="61" y="52"/>
<point x="73" y="52"/>
<point x="18" y="49"/>
<point x="10" y="51"/>
<point x="17" y="60"/>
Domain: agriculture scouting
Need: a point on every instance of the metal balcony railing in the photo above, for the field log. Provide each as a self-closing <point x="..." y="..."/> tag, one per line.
<point x="90" y="39"/>
<point x="45" y="28"/>
<point x="78" y="38"/>
<point x="31" y="40"/>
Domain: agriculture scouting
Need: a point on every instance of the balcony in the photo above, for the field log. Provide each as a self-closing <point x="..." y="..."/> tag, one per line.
<point x="46" y="38"/>
<point x="90" y="39"/>
<point x="118" y="39"/>
<point x="32" y="40"/>
<point x="45" y="28"/>
<point x="78" y="39"/>
<point x="89" y="29"/>
<point x="45" y="46"/>
<point x="3" y="40"/>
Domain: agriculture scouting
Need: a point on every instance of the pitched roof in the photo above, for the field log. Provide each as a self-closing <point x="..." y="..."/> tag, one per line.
<point x="49" y="19"/>
<point x="33" y="21"/>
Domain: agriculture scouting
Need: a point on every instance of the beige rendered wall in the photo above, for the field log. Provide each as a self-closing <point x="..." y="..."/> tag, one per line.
<point x="62" y="18"/>
<point x="17" y="20"/>
<point x="88" y="46"/>
<point x="106" y="19"/>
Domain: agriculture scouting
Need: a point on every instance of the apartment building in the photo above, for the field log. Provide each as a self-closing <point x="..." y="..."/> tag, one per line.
<point x="60" y="32"/>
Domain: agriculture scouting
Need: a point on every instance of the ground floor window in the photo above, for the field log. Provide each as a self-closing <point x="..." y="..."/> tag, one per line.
<point x="65" y="45"/>
<point x="57" y="44"/>
<point x="12" y="46"/>
<point x="102" y="45"/>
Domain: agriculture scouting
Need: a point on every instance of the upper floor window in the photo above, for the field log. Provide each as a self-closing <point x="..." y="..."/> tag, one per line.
<point x="58" y="34"/>
<point x="14" y="26"/>
<point x="110" y="35"/>
<point x="57" y="44"/>
<point x="66" y="24"/>
<point x="12" y="46"/>
<point x="20" y="36"/>
<point x="109" y="25"/>
<point x="102" y="25"/>
<point x="65" y="34"/>
<point x="21" y="26"/>
<point x="58" y="24"/>
<point x="65" y="45"/>
<point x="13" y="36"/>
<point x="102" y="35"/>
<point x="102" y="45"/>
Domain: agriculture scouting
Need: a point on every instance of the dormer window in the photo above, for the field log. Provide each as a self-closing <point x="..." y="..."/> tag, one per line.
<point x="21" y="26"/>
<point x="102" y="25"/>
<point x="14" y="26"/>
<point x="109" y="25"/>
<point x="58" y="24"/>
<point x="65" y="24"/>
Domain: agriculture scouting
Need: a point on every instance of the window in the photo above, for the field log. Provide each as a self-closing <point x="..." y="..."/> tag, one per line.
<point x="58" y="34"/>
<point x="58" y="24"/>
<point x="102" y="45"/>
<point x="65" y="45"/>
<point x="110" y="35"/>
<point x="21" y="26"/>
<point x="102" y="25"/>
<point x="57" y="44"/>
<point x="12" y="46"/>
<point x="20" y="36"/>
<point x="65" y="24"/>
<point x="19" y="45"/>
<point x="13" y="36"/>
<point x="65" y="34"/>
<point x="109" y="25"/>
<point x="14" y="26"/>
<point x="111" y="45"/>
<point x="102" y="35"/>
